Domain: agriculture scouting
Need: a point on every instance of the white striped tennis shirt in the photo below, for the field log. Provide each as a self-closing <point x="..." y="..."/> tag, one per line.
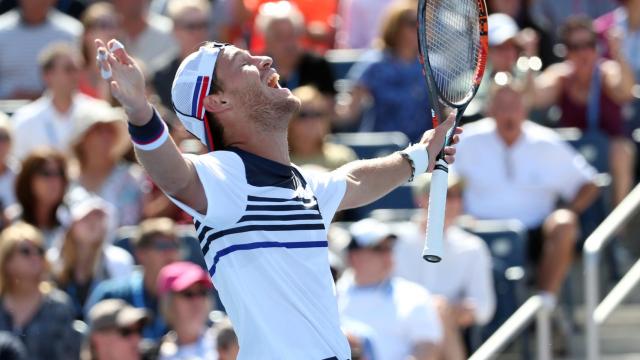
<point x="264" y="240"/>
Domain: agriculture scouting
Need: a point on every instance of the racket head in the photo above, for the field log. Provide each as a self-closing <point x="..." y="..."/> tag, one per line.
<point x="453" y="48"/>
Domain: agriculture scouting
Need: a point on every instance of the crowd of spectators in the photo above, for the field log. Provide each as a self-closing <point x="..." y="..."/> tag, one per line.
<point x="70" y="187"/>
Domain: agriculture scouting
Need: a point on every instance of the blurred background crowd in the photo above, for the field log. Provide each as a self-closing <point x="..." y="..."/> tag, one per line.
<point x="95" y="262"/>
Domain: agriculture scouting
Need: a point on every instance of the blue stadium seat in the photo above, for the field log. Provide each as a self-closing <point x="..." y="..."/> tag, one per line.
<point x="399" y="198"/>
<point x="368" y="145"/>
<point x="593" y="145"/>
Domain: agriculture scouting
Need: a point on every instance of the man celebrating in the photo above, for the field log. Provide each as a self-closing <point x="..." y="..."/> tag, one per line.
<point x="261" y="222"/>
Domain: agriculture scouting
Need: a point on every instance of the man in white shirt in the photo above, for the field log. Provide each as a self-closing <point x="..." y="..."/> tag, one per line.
<point x="50" y="120"/>
<point x="401" y="313"/>
<point x="261" y="221"/>
<point x="515" y="169"/>
<point x="462" y="282"/>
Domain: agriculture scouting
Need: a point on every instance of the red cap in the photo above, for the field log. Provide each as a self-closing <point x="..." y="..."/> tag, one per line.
<point x="180" y="275"/>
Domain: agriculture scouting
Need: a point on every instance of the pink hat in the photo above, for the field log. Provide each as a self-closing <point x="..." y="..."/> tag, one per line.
<point x="178" y="276"/>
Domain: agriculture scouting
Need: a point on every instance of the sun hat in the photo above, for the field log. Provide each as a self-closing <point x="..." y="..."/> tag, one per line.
<point x="191" y="85"/>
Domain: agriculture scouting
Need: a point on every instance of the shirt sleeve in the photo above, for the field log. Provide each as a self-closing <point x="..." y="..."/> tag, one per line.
<point x="223" y="180"/>
<point x="423" y="323"/>
<point x="569" y="169"/>
<point x="479" y="290"/>
<point x="329" y="188"/>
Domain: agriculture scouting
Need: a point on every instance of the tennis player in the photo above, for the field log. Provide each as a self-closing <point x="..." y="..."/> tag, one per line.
<point x="261" y="221"/>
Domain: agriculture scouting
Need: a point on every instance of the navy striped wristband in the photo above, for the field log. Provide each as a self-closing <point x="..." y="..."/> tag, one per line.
<point x="151" y="135"/>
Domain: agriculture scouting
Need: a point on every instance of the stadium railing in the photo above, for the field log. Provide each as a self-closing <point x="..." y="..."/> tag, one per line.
<point x="597" y="313"/>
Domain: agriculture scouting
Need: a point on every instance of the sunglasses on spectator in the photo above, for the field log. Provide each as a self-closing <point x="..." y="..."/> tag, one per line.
<point x="163" y="245"/>
<point x="311" y="114"/>
<point x="28" y="251"/>
<point x="128" y="331"/>
<point x="576" y="46"/>
<point x="194" y="25"/>
<point x="382" y="249"/>
<point x="50" y="173"/>
<point x="194" y="293"/>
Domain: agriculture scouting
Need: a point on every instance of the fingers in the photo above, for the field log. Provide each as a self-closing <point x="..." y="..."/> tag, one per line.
<point x="117" y="49"/>
<point x="449" y="154"/>
<point x="448" y="124"/>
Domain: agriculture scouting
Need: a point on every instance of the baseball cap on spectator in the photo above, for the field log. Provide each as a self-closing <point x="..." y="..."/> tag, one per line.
<point x="151" y="229"/>
<point x="368" y="233"/>
<point x="191" y="85"/>
<point x="115" y="314"/>
<point x="502" y="28"/>
<point x="179" y="276"/>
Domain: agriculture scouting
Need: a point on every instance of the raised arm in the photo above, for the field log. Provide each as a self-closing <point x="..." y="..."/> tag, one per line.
<point x="369" y="180"/>
<point x="172" y="172"/>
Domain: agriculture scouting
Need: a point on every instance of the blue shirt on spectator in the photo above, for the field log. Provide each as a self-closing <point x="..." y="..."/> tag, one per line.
<point x="399" y="94"/>
<point x="133" y="292"/>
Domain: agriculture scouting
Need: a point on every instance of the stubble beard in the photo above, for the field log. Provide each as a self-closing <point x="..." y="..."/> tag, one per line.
<point x="268" y="114"/>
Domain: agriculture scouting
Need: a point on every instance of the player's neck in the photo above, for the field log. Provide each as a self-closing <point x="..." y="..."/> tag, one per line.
<point x="272" y="146"/>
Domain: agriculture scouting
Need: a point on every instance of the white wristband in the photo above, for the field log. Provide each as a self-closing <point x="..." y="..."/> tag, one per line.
<point x="419" y="157"/>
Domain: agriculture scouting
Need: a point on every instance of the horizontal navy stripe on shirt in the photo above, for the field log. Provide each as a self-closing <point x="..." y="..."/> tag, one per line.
<point x="264" y="245"/>
<point x="281" y="207"/>
<point x="270" y="199"/>
<point x="281" y="217"/>
<point x="248" y="228"/>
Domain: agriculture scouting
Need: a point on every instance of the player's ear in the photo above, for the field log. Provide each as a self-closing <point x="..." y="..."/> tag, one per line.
<point x="216" y="103"/>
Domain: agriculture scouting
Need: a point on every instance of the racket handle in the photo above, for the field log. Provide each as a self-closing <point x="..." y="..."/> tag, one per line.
<point x="433" y="244"/>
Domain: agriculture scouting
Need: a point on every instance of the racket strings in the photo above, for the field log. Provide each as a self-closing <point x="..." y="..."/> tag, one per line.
<point x="452" y="40"/>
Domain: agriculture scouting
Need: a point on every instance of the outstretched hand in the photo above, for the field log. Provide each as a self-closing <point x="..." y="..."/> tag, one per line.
<point x="127" y="82"/>
<point x="434" y="139"/>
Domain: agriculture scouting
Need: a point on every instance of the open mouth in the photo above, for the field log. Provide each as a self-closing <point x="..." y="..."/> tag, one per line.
<point x="272" y="81"/>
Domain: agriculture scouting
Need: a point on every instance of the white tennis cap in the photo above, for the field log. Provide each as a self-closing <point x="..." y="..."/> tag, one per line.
<point x="502" y="27"/>
<point x="190" y="86"/>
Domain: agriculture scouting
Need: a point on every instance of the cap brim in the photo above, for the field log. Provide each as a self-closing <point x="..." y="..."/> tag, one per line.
<point x="189" y="279"/>
<point x="130" y="316"/>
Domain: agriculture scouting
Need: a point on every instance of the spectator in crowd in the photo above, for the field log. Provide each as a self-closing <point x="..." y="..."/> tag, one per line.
<point x="226" y="340"/>
<point x="191" y="22"/>
<point x="114" y="331"/>
<point x="155" y="246"/>
<point x="8" y="167"/>
<point x="49" y="121"/>
<point x="87" y="257"/>
<point x="11" y="348"/>
<point x="40" y="188"/>
<point x="360" y="21"/>
<point x="308" y="129"/>
<point x="626" y="21"/>
<point x="24" y="33"/>
<point x="147" y="35"/>
<point x="590" y="92"/>
<point x="511" y="51"/>
<point x="402" y="314"/>
<point x="535" y="170"/>
<point x="184" y="290"/>
<point x="99" y="143"/>
<point x="391" y="78"/>
<point x="282" y="25"/>
<point x="40" y="315"/>
<point x="462" y="282"/>
<point x="100" y="22"/>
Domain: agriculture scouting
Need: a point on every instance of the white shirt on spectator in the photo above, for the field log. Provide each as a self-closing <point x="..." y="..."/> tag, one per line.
<point x="361" y="21"/>
<point x="21" y="45"/>
<point x="7" y="187"/>
<point x="464" y="274"/>
<point x="203" y="349"/>
<point x="40" y="124"/>
<point x="401" y="313"/>
<point x="523" y="181"/>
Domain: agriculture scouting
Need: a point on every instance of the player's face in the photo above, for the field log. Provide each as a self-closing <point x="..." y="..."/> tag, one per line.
<point x="252" y="87"/>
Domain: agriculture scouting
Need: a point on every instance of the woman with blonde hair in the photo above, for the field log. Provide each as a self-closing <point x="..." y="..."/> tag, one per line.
<point x="31" y="308"/>
<point x="86" y="256"/>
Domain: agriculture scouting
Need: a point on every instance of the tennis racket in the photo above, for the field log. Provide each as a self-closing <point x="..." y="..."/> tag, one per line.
<point x="452" y="37"/>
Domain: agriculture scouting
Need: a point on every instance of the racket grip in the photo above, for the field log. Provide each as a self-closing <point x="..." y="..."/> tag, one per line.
<point x="433" y="244"/>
